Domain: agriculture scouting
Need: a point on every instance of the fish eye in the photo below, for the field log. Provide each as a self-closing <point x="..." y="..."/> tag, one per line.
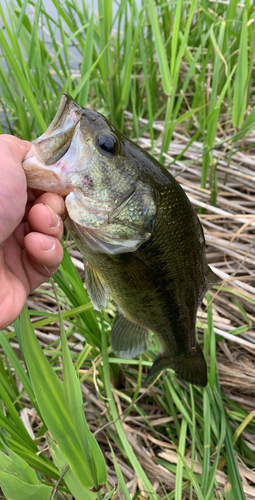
<point x="107" y="144"/>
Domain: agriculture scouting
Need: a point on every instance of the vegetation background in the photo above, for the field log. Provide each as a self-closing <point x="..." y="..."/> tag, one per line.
<point x="178" y="77"/>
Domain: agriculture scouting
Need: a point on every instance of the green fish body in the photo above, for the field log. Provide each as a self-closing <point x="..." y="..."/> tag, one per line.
<point x="141" y="240"/>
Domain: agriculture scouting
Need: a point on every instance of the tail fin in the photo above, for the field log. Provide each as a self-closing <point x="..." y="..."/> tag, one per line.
<point x="160" y="364"/>
<point x="191" y="368"/>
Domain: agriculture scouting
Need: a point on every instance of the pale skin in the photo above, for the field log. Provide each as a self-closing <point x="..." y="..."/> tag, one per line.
<point x="31" y="228"/>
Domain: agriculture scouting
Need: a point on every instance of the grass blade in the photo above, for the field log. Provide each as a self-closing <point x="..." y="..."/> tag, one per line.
<point x="94" y="457"/>
<point x="47" y="387"/>
<point x="160" y="50"/>
<point x="240" y="83"/>
<point x="86" y="62"/>
<point x="179" y="471"/>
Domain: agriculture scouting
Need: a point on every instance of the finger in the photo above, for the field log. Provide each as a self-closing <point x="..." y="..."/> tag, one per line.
<point x="42" y="219"/>
<point x="12" y="294"/>
<point x="14" y="147"/>
<point x="55" y="201"/>
<point x="42" y="257"/>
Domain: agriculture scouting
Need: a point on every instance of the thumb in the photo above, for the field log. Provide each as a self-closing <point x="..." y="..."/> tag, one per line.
<point x="13" y="189"/>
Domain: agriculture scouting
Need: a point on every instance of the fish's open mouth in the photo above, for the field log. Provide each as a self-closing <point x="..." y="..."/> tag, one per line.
<point x="43" y="164"/>
<point x="55" y="142"/>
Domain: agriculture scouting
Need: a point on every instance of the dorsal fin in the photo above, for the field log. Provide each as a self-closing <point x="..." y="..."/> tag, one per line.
<point x="212" y="279"/>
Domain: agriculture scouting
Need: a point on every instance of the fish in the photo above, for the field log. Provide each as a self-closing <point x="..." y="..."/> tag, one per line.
<point x="140" y="237"/>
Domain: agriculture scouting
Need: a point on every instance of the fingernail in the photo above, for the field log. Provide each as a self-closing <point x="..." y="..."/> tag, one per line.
<point x="54" y="217"/>
<point x="48" y="243"/>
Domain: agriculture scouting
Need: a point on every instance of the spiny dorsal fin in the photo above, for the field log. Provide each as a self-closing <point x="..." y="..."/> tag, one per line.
<point x="190" y="367"/>
<point x="95" y="287"/>
<point x="128" y="339"/>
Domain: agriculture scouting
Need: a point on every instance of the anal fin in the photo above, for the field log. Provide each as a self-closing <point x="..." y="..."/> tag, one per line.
<point x="95" y="287"/>
<point x="128" y="339"/>
<point x="190" y="367"/>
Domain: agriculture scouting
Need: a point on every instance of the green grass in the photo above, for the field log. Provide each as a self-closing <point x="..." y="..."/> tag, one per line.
<point x="189" y="65"/>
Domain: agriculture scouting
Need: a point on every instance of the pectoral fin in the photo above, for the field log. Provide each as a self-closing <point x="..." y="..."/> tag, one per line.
<point x="191" y="368"/>
<point x="134" y="272"/>
<point x="128" y="340"/>
<point x="95" y="287"/>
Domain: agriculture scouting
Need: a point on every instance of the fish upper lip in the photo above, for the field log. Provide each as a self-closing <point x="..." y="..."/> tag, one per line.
<point x="70" y="106"/>
<point x="59" y="132"/>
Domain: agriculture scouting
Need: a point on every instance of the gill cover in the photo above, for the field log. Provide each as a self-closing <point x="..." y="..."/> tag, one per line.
<point x="116" y="229"/>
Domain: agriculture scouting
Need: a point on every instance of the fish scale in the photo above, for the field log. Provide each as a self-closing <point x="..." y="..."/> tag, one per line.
<point x="141" y="239"/>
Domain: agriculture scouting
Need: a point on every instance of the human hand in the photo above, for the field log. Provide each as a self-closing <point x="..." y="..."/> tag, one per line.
<point x="31" y="229"/>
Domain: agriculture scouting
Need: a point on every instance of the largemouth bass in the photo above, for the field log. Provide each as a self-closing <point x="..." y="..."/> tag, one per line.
<point x="141" y="239"/>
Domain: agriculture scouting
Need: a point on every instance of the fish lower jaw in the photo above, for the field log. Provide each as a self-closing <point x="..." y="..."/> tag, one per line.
<point x="44" y="179"/>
